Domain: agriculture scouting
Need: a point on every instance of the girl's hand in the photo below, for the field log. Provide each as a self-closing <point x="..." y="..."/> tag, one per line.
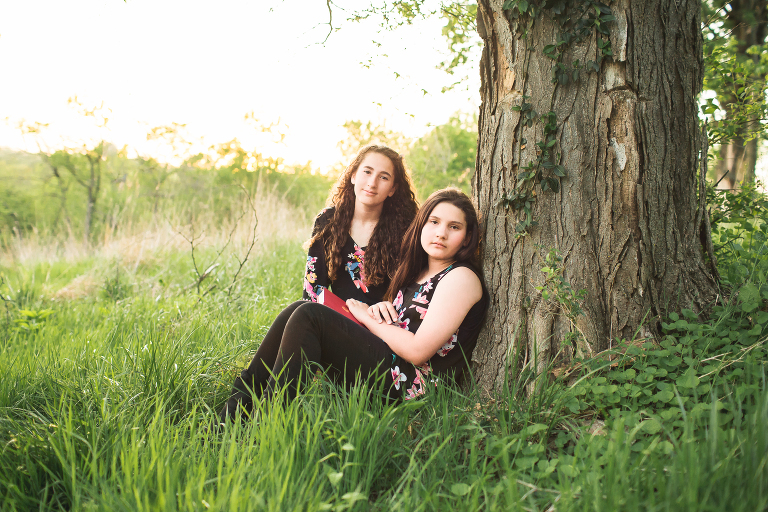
<point x="358" y="309"/>
<point x="383" y="312"/>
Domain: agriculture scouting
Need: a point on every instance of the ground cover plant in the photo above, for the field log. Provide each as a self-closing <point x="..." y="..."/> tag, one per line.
<point x="113" y="363"/>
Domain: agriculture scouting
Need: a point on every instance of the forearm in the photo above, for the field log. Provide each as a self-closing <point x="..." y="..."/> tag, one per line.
<point x="401" y="342"/>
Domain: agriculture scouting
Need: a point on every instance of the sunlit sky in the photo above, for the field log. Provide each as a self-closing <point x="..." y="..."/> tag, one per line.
<point x="206" y="64"/>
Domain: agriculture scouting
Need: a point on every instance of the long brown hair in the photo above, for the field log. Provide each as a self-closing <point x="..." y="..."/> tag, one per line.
<point x="413" y="258"/>
<point x="397" y="213"/>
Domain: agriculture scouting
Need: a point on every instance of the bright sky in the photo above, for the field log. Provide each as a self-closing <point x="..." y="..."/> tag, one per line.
<point x="206" y="64"/>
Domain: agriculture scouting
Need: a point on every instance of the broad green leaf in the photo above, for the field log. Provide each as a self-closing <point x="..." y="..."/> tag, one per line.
<point x="532" y="429"/>
<point x="335" y="478"/>
<point x="651" y="426"/>
<point x="689" y="379"/>
<point x="460" y="489"/>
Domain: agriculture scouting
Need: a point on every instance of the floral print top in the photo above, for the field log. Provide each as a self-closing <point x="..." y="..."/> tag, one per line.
<point x="350" y="280"/>
<point x="412" y="304"/>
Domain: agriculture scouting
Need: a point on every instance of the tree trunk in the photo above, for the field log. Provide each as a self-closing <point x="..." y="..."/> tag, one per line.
<point x="624" y="219"/>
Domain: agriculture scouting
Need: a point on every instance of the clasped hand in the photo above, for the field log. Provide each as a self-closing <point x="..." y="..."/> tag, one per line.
<point x="380" y="312"/>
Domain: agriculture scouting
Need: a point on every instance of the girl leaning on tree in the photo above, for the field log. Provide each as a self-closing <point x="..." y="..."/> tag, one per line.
<point x="422" y="336"/>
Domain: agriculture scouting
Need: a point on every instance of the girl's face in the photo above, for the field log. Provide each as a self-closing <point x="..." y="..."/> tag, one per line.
<point x="444" y="233"/>
<point x="374" y="180"/>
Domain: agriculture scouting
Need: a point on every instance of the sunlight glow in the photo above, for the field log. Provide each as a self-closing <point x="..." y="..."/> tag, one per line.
<point x="207" y="65"/>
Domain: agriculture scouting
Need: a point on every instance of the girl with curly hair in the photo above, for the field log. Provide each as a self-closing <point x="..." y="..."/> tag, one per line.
<point x="354" y="244"/>
<point x="423" y="335"/>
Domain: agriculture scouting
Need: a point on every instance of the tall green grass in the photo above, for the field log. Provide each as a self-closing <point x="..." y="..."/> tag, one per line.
<point x="112" y="369"/>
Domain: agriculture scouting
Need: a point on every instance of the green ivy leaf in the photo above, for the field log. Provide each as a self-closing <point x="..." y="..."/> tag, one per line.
<point x="460" y="489"/>
<point x="749" y="296"/>
<point x="652" y="426"/>
<point x="689" y="379"/>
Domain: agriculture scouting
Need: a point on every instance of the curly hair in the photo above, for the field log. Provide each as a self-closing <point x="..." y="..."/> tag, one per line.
<point x="413" y="257"/>
<point x="396" y="215"/>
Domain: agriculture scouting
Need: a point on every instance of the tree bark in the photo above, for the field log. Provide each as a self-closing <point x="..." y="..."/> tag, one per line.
<point x="624" y="218"/>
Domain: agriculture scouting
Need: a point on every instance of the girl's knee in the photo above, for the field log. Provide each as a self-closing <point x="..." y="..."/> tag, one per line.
<point x="308" y="315"/>
<point x="308" y="310"/>
<point x="286" y="313"/>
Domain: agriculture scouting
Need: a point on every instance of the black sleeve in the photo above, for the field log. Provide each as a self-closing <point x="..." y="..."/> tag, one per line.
<point x="316" y="270"/>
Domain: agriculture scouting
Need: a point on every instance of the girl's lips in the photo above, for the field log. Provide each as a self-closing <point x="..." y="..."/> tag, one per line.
<point x="438" y="244"/>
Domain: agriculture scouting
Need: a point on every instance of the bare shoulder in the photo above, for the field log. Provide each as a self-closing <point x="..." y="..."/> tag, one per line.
<point x="462" y="281"/>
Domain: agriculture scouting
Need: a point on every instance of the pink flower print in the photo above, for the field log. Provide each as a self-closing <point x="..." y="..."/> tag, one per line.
<point x="421" y="298"/>
<point x="404" y="324"/>
<point x="398" y="376"/>
<point x="398" y="303"/>
<point x="427" y="286"/>
<point x="311" y="291"/>
<point x="443" y="351"/>
<point x="418" y="383"/>
<point x="414" y="392"/>
<point x="422" y="312"/>
<point x="310" y="278"/>
<point x="356" y="270"/>
<point x="424" y="369"/>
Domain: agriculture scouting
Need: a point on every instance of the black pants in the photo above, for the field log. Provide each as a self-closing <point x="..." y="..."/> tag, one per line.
<point x="311" y="334"/>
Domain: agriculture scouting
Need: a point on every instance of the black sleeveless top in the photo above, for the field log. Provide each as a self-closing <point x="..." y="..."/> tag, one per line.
<point x="411" y="304"/>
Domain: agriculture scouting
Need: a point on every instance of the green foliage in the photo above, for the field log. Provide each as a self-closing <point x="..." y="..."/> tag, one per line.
<point x="445" y="156"/>
<point x="115" y="286"/>
<point x="734" y="69"/>
<point x="739" y="221"/>
<point x="361" y="134"/>
<point x="142" y="191"/>
<point x="460" y="32"/>
<point x="19" y="202"/>
<point x="31" y="320"/>
<point x="556" y="288"/>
